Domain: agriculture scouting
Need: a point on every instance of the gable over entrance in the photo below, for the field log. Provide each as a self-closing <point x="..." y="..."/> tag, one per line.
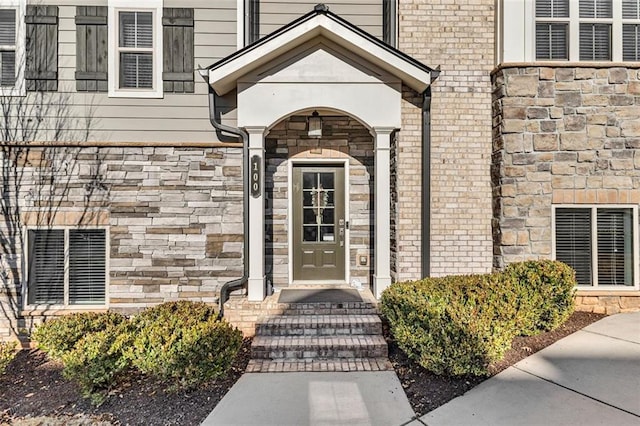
<point x="321" y="63"/>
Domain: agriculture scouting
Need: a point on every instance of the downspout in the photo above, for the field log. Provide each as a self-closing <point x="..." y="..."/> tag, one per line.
<point x="237" y="283"/>
<point x="426" y="177"/>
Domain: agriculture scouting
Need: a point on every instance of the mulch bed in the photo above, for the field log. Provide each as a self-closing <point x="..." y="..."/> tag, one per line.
<point x="427" y="391"/>
<point x="33" y="386"/>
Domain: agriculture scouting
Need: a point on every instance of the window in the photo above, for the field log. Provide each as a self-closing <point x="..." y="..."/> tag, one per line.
<point x="135" y="51"/>
<point x="66" y="267"/>
<point x="600" y="243"/>
<point x="12" y="25"/>
<point x="587" y="30"/>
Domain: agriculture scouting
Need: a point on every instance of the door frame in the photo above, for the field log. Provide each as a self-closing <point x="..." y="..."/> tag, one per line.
<point x="341" y="162"/>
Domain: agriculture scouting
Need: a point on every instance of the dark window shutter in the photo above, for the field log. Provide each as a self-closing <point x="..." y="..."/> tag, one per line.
<point x="86" y="266"/>
<point x="573" y="241"/>
<point x="596" y="8"/>
<point x="178" y="67"/>
<point x="615" y="247"/>
<point x="41" y="71"/>
<point x="91" y="49"/>
<point x="46" y="267"/>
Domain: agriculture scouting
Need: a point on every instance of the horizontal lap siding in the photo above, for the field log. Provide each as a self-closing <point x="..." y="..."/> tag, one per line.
<point x="366" y="14"/>
<point x="176" y="117"/>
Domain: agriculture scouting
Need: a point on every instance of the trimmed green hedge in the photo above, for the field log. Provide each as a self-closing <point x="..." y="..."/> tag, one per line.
<point x="58" y="336"/>
<point x="183" y="342"/>
<point x="458" y="325"/>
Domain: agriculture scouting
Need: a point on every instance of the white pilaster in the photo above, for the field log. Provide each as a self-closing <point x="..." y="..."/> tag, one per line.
<point x="382" y="272"/>
<point x="256" y="281"/>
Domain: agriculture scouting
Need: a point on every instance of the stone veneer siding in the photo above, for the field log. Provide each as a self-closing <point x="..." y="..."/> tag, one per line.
<point x="563" y="135"/>
<point x="343" y="138"/>
<point x="174" y="217"/>
<point x="458" y="37"/>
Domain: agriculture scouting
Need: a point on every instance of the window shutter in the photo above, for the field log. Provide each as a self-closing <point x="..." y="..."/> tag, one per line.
<point x="595" y="42"/>
<point x="91" y="49"/>
<point x="46" y="266"/>
<point x="41" y="70"/>
<point x="573" y="241"/>
<point x="177" y="32"/>
<point x="7" y="27"/>
<point x="87" y="266"/>
<point x="615" y="247"/>
<point x="630" y="9"/>
<point x="551" y="41"/>
<point x="630" y="42"/>
<point x="552" y="8"/>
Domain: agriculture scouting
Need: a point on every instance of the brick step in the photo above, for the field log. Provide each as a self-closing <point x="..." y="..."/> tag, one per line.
<point x="327" y="308"/>
<point x="319" y="325"/>
<point x="318" y="365"/>
<point x="318" y="347"/>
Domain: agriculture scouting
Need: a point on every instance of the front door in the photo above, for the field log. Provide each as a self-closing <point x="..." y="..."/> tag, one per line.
<point x="318" y="223"/>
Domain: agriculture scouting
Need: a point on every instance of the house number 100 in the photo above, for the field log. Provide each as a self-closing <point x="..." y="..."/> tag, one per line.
<point x="255" y="176"/>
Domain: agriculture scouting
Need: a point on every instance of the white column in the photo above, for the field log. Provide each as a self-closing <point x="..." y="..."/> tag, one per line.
<point x="256" y="281"/>
<point x="382" y="272"/>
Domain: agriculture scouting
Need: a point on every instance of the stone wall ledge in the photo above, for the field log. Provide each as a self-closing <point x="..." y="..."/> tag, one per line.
<point x="565" y="64"/>
<point x="58" y="311"/>
<point x="607" y="293"/>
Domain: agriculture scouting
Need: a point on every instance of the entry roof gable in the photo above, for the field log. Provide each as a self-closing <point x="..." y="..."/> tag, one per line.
<point x="224" y="74"/>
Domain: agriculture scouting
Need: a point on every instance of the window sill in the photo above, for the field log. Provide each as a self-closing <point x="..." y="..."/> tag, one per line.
<point x="53" y="311"/>
<point x="626" y="292"/>
<point x="141" y="94"/>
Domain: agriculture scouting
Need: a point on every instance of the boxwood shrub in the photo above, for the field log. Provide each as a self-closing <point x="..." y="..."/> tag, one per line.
<point x="60" y="335"/>
<point x="97" y="360"/>
<point x="458" y="325"/>
<point x="184" y="342"/>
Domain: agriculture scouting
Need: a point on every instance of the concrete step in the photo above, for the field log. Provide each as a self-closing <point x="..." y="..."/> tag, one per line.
<point x="319" y="347"/>
<point x="318" y="365"/>
<point x="319" y="325"/>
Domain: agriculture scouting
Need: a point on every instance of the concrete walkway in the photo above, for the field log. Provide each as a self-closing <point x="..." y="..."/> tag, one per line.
<point x="591" y="377"/>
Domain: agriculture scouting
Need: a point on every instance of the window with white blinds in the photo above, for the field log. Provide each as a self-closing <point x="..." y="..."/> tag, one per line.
<point x="67" y="267"/>
<point x="8" y="45"/>
<point x="587" y="30"/>
<point x="135" y="49"/>
<point x="600" y="243"/>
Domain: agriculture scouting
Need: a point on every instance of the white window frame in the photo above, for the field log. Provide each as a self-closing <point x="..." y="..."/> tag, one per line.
<point x="66" y="305"/>
<point x="155" y="7"/>
<point x="594" y="243"/>
<point x="20" y="6"/>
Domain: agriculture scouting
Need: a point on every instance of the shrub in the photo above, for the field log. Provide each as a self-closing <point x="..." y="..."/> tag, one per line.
<point x="7" y="353"/>
<point x="459" y="324"/>
<point x="183" y="342"/>
<point x="59" y="336"/>
<point x="546" y="290"/>
<point x="98" y="359"/>
<point x="452" y="325"/>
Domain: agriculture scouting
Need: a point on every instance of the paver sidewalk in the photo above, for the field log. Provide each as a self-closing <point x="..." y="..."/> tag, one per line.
<point x="591" y="377"/>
